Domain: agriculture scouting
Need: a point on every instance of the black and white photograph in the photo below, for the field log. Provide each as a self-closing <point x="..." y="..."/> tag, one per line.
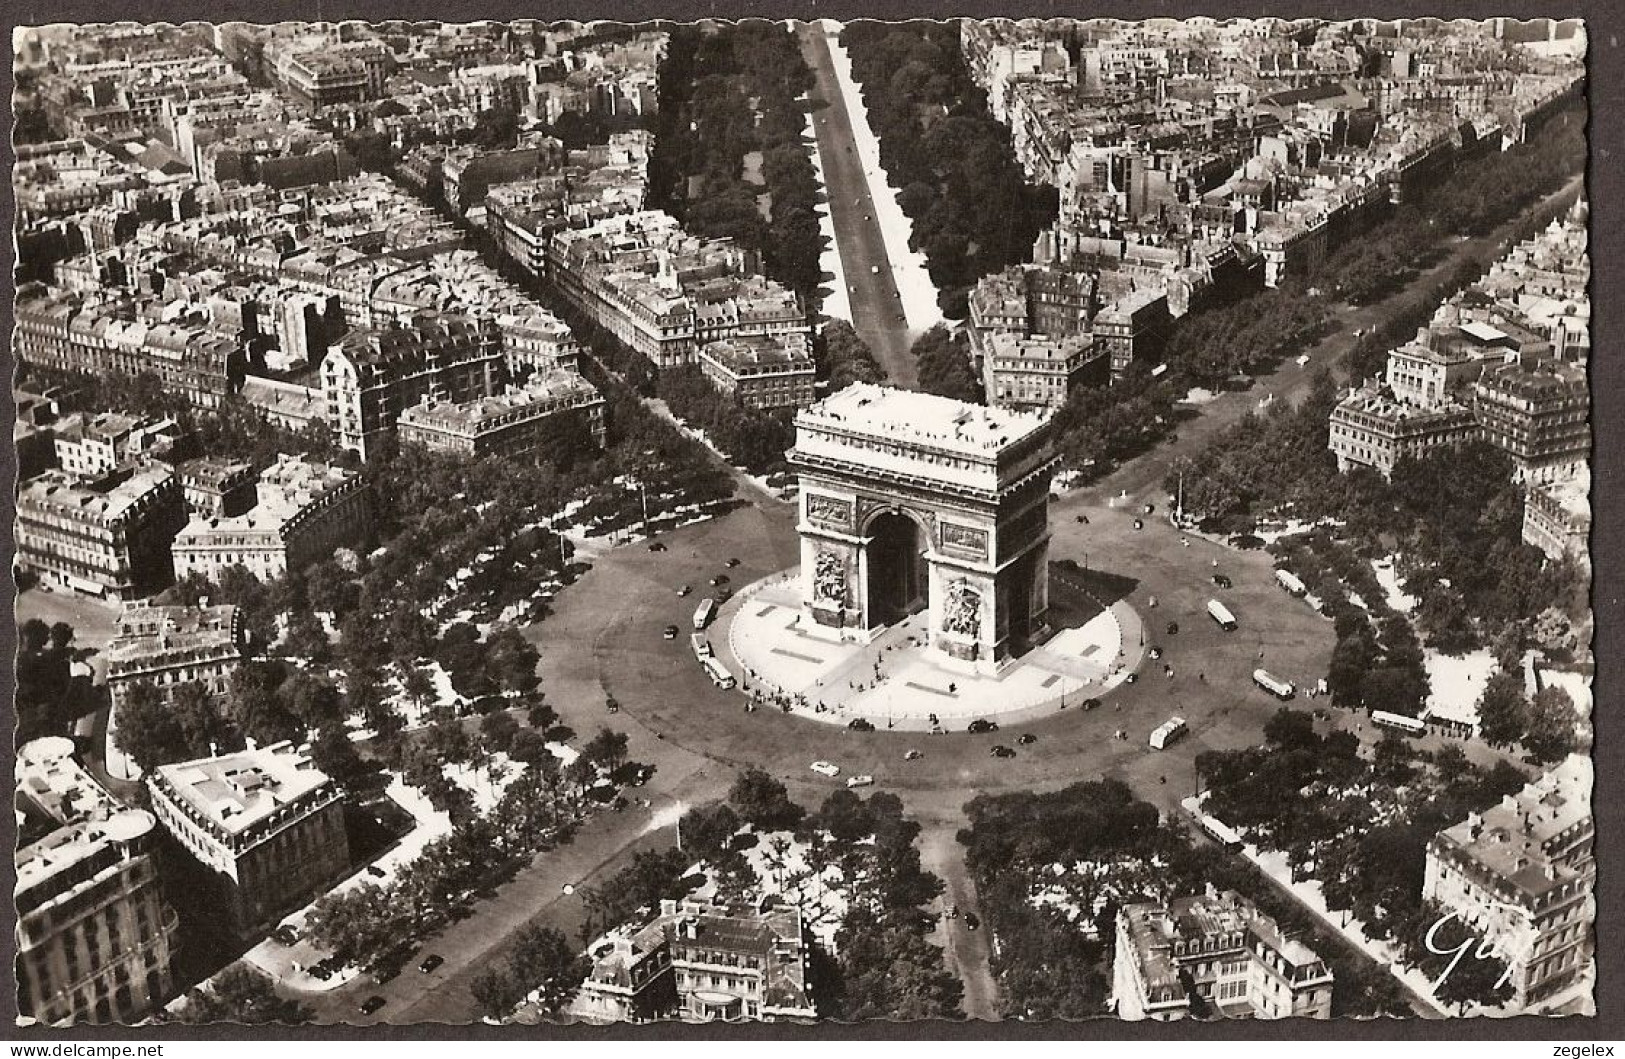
<point x="533" y="525"/>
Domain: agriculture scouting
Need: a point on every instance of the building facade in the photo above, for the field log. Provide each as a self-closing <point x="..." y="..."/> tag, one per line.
<point x="266" y="826"/>
<point x="1369" y="428"/>
<point x="1213" y="955"/>
<point x="109" y="539"/>
<point x="763" y="373"/>
<point x="701" y="962"/>
<point x="517" y="424"/>
<point x="304" y="511"/>
<point x="95" y="936"/>
<point x="168" y="646"/>
<point x="1521" y="875"/>
<point x="1539" y="414"/>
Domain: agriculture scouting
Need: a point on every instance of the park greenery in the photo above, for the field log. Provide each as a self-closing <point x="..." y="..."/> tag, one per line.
<point x="1054" y="964"/>
<point x="244" y="995"/>
<point x="943" y="359"/>
<point x="729" y="159"/>
<point x="843" y="357"/>
<point x="45" y="696"/>
<point x="971" y="208"/>
<point x="1360" y="826"/>
<point x="755" y="439"/>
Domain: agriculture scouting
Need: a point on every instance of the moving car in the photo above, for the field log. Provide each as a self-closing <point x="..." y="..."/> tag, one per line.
<point x="1221" y="580"/>
<point x="719" y="580"/>
<point x="431" y="963"/>
<point x="972" y="921"/>
<point x="656" y="546"/>
<point x="731" y="563"/>
<point x="1026" y="739"/>
<point x="912" y="755"/>
<point x="683" y="591"/>
<point x="982" y="724"/>
<point x="375" y="871"/>
<point x="824" y="768"/>
<point x="1001" y="751"/>
<point x="611" y="704"/>
<point x="669" y="632"/>
<point x="861" y="781"/>
<point x="1090" y="704"/>
<point x="1173" y="628"/>
<point x="372" y="1005"/>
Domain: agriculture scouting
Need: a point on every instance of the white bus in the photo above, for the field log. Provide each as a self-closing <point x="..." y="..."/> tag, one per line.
<point x="702" y="646"/>
<point x="1219" y="832"/>
<point x="1281" y="689"/>
<point x="1398" y="722"/>
<point x="1221" y="614"/>
<point x="1167" y="732"/>
<point x="1292" y="583"/>
<point x="703" y="615"/>
<point x="719" y="676"/>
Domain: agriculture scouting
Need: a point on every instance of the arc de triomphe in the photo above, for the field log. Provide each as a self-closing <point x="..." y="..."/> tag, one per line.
<point x="914" y="502"/>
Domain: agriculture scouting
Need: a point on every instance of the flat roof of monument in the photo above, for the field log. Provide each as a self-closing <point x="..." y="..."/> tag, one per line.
<point x="938" y="422"/>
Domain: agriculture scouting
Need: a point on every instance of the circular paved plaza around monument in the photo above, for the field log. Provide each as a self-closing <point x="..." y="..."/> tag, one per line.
<point x="896" y="682"/>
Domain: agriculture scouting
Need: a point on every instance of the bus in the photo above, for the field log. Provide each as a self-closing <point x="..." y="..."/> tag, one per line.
<point x="1281" y="689"/>
<point x="1398" y="722"/>
<point x="701" y="646"/>
<point x="719" y="676"/>
<point x="1221" y="614"/>
<point x="703" y="615"/>
<point x="1292" y="583"/>
<point x="1167" y="733"/>
<point x="1212" y="827"/>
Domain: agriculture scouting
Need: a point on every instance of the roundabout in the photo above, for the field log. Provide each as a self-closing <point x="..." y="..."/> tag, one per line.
<point x="895" y="681"/>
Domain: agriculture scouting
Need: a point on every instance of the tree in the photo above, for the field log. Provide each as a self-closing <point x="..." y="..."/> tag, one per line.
<point x="241" y="994"/>
<point x="146" y="729"/>
<point x="708" y="831"/>
<point x="1551" y="733"/>
<point x="496" y="991"/>
<point x="1502" y="709"/>
<point x="511" y="660"/>
<point x="499" y="729"/>
<point x="607" y="748"/>
<point x="543" y="958"/>
<point x="334" y="753"/>
<point x="763" y="802"/>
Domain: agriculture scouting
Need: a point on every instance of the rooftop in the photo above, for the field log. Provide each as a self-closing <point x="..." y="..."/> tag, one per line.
<point x="237" y="791"/>
<point x="145" y="631"/>
<point x="1516" y="841"/>
<point x="921" y="418"/>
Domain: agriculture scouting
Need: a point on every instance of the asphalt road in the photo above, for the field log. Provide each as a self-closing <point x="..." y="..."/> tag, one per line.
<point x="877" y="307"/>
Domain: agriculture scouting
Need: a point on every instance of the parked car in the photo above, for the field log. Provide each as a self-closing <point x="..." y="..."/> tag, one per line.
<point x="376" y="872"/>
<point x="684" y="590"/>
<point x="982" y="724"/>
<point x="670" y="632"/>
<point x="641" y="776"/>
<point x="824" y="768"/>
<point x="859" y="724"/>
<point x="972" y="921"/>
<point x="611" y="704"/>
<point x="1002" y="751"/>
<point x="431" y="963"/>
<point x="656" y="546"/>
<point x="1090" y="704"/>
<point x="285" y="934"/>
<point x="372" y="1005"/>
<point x="860" y="781"/>
<point x="1026" y="739"/>
<point x="1221" y="580"/>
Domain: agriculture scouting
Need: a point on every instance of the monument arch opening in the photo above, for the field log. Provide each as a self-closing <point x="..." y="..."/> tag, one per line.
<point x="898" y="573"/>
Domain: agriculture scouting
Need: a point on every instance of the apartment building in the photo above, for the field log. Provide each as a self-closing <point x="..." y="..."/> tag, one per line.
<point x="167" y="646"/>
<point x="111" y="538"/>
<point x="517" y="424"/>
<point x="304" y="511"/>
<point x="95" y="937"/>
<point x="266" y="826"/>
<point x="1213" y="955"/>
<point x="763" y="373"/>
<point x="1522" y="875"/>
